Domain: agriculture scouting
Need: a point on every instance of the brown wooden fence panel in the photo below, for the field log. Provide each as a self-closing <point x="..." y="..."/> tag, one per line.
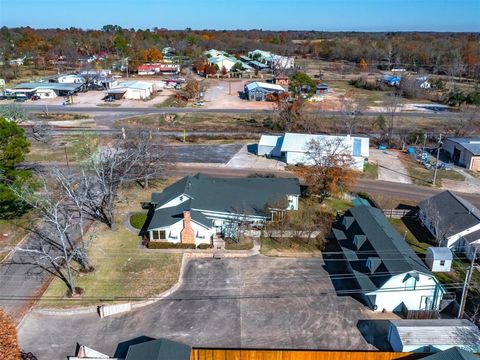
<point x="227" y="354"/>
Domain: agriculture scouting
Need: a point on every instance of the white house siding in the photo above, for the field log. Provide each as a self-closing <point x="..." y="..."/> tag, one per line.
<point x="46" y="93"/>
<point x="394" y="293"/>
<point x="452" y="240"/>
<point x="294" y="157"/>
<point x="202" y="234"/>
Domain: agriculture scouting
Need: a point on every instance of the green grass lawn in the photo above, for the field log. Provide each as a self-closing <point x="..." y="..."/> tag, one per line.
<point x="138" y="219"/>
<point x="422" y="176"/>
<point x="12" y="231"/>
<point x="244" y="244"/>
<point x="370" y="171"/>
<point x="271" y="247"/>
<point x="418" y="246"/>
<point x="337" y="205"/>
<point x="122" y="267"/>
<point x="62" y="116"/>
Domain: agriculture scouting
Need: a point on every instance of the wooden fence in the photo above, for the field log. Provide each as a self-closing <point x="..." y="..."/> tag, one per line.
<point x="227" y="354"/>
<point x="399" y="213"/>
<point x="420" y="314"/>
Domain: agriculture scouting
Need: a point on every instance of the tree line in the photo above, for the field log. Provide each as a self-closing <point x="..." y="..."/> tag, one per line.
<point x="433" y="52"/>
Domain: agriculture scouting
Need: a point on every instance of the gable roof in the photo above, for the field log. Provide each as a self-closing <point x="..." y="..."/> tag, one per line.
<point x="247" y="196"/>
<point x="267" y="86"/>
<point x="380" y="243"/>
<point x="454" y="212"/>
<point x="159" y="349"/>
<point x="45" y="85"/>
<point x="459" y="332"/>
<point x="454" y="353"/>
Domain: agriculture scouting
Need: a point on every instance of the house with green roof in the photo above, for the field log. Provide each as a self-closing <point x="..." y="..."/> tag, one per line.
<point x="195" y="208"/>
<point x="388" y="273"/>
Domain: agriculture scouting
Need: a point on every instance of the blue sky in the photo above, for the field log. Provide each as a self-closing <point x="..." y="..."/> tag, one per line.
<point x="330" y="15"/>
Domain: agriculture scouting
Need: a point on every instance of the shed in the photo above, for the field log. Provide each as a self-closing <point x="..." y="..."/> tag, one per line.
<point x="322" y="89"/>
<point x="158" y="350"/>
<point x="270" y="145"/>
<point x="439" y="259"/>
<point x="433" y="335"/>
<point x="258" y="91"/>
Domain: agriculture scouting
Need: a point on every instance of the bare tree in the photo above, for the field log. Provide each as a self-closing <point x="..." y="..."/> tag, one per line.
<point x="13" y="112"/>
<point x="134" y="157"/>
<point x="392" y="103"/>
<point x="52" y="245"/>
<point x="351" y="108"/>
<point x="466" y="122"/>
<point x="289" y="115"/>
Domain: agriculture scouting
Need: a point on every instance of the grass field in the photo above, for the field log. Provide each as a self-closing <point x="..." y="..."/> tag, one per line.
<point x="370" y="171"/>
<point x="12" y="232"/>
<point x="122" y="267"/>
<point x="58" y="150"/>
<point x="422" y="176"/>
<point x="244" y="244"/>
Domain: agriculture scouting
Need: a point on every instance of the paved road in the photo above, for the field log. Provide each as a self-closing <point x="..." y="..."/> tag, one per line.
<point x="153" y="110"/>
<point x="249" y="302"/>
<point x="219" y="154"/>
<point x="386" y="188"/>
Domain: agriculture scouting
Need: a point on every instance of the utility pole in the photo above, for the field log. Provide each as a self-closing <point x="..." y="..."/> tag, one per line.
<point x="436" y="162"/>
<point x="466" y="285"/>
<point x="424" y="143"/>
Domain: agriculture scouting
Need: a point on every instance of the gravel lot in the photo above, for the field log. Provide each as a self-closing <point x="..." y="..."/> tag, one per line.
<point x="220" y="154"/>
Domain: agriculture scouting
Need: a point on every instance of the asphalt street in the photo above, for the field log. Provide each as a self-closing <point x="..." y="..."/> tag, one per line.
<point x="153" y="110"/>
<point x="255" y="302"/>
<point x="219" y="154"/>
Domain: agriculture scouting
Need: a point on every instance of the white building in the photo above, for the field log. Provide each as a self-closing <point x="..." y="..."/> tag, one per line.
<point x="388" y="273"/>
<point x="273" y="60"/>
<point x="439" y="259"/>
<point x="198" y="207"/>
<point x="134" y="90"/>
<point x="294" y="148"/>
<point x="433" y="335"/>
<point x="270" y="145"/>
<point x="453" y="220"/>
<point x="223" y="61"/>
<point x="71" y="79"/>
<point x="258" y="91"/>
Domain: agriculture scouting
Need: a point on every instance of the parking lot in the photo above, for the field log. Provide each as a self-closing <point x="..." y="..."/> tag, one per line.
<point x="219" y="154"/>
<point x="255" y="302"/>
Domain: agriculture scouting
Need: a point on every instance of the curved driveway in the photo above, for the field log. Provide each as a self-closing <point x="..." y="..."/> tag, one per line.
<point x="248" y="302"/>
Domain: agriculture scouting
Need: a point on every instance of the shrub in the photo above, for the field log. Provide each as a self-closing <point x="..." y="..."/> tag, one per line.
<point x="204" y="246"/>
<point x="138" y="219"/>
<point x="167" y="245"/>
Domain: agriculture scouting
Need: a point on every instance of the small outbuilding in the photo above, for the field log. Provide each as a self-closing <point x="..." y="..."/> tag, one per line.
<point x="439" y="259"/>
<point x="433" y="335"/>
<point x="270" y="145"/>
<point x="135" y="90"/>
<point x="258" y="91"/>
<point x="323" y="89"/>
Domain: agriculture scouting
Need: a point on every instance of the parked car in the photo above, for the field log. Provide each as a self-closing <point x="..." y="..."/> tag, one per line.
<point x="199" y="103"/>
<point x="20" y="98"/>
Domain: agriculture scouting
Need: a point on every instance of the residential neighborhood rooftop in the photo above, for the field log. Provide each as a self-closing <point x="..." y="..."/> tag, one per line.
<point x="453" y="210"/>
<point x="471" y="144"/>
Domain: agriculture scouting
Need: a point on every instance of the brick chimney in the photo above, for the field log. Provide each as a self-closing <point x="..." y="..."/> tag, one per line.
<point x="187" y="236"/>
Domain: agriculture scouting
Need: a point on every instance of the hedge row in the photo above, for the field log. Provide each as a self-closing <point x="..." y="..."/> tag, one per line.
<point x="167" y="245"/>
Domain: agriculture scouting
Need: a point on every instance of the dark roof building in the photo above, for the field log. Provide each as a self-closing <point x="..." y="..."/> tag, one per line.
<point x="454" y="353"/>
<point x="160" y="349"/>
<point x="464" y="151"/>
<point x="452" y="219"/>
<point x="382" y="263"/>
<point x="219" y="202"/>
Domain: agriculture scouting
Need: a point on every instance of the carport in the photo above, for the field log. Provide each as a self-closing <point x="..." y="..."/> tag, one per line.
<point x="117" y="94"/>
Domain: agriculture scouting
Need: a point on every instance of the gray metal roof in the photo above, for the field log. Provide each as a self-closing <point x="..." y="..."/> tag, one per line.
<point x="442" y="252"/>
<point x="46" y="85"/>
<point x="471" y="144"/>
<point x="453" y="353"/>
<point x="391" y="254"/>
<point x="168" y="216"/>
<point x="472" y="237"/>
<point x="270" y="140"/>
<point x="160" y="349"/>
<point x="454" y="213"/>
<point x="438" y="332"/>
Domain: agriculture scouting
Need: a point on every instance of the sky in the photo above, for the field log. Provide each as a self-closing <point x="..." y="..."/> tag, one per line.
<point x="331" y="15"/>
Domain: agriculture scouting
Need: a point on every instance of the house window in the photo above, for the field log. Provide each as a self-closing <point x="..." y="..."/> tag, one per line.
<point x="159" y="235"/>
<point x="442" y="262"/>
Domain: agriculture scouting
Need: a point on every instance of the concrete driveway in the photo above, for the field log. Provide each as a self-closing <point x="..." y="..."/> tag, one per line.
<point x="390" y="167"/>
<point x="249" y="302"/>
